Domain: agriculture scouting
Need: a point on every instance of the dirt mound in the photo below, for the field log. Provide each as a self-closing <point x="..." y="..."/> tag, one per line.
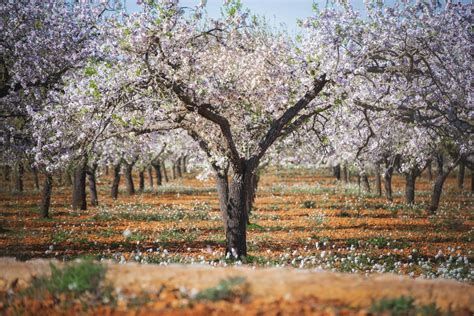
<point x="268" y="286"/>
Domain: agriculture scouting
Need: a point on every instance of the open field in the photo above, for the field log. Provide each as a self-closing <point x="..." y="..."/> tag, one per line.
<point x="301" y="219"/>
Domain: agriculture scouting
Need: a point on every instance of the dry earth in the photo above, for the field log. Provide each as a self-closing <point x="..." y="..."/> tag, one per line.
<point x="300" y="291"/>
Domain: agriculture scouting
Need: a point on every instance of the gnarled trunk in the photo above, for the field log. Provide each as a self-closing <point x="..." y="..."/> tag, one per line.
<point x="79" y="188"/>
<point x="116" y="181"/>
<point x="35" y="178"/>
<point x="222" y="185"/>
<point x="93" y="185"/>
<point x="236" y="221"/>
<point x="185" y="167"/>
<point x="173" y="169"/>
<point x="165" y="173"/>
<point x="19" y="177"/>
<point x="336" y="171"/>
<point x="429" y="171"/>
<point x="410" y="178"/>
<point x="365" y="182"/>
<point x="150" y="177"/>
<point x="378" y="181"/>
<point x="46" y="196"/>
<point x="159" y="178"/>
<point x="438" y="188"/>
<point x="141" y="180"/>
<point x="460" y="177"/>
<point x="345" y="174"/>
<point x="178" y="168"/>
<point x="6" y="173"/>
<point x="387" y="183"/>
<point x="253" y="186"/>
<point x="472" y="181"/>
<point x="129" y="179"/>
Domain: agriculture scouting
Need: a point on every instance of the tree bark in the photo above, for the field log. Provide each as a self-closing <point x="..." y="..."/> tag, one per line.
<point x="6" y="173"/>
<point x="46" y="196"/>
<point x="93" y="185"/>
<point x="178" y="168"/>
<point x="365" y="182"/>
<point x="472" y="181"/>
<point x="159" y="178"/>
<point x="344" y="173"/>
<point x="165" y="173"/>
<point x="460" y="177"/>
<point x="378" y="181"/>
<point x="438" y="188"/>
<point x="116" y="181"/>
<point x="410" y="178"/>
<point x="35" y="178"/>
<point x="337" y="172"/>
<point x="173" y="167"/>
<point x="68" y="178"/>
<point x="150" y="177"/>
<point x="19" y="177"/>
<point x="222" y="184"/>
<point x="236" y="231"/>
<point x="141" y="182"/>
<point x="129" y="179"/>
<point x="387" y="182"/>
<point x="185" y="167"/>
<point x="106" y="170"/>
<point x="430" y="171"/>
<point x="253" y="186"/>
<point x="79" y="189"/>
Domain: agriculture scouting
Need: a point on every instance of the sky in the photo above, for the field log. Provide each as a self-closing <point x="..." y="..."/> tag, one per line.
<point x="277" y="12"/>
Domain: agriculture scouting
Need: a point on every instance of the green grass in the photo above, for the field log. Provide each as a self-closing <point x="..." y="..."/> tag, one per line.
<point x="404" y="305"/>
<point x="73" y="280"/>
<point x="228" y="289"/>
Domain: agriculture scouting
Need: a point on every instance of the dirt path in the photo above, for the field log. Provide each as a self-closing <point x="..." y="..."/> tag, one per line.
<point x="270" y="285"/>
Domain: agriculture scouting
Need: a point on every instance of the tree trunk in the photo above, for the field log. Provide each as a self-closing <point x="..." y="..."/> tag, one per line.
<point x="79" y="189"/>
<point x="129" y="179"/>
<point x="438" y="188"/>
<point x="410" y="178"/>
<point x="106" y="170"/>
<point x="440" y="163"/>
<point x="46" y="196"/>
<point x="157" y="167"/>
<point x="365" y="182"/>
<point x="387" y="182"/>
<point x="141" y="182"/>
<point x="165" y="173"/>
<point x="222" y="184"/>
<point x="185" y="167"/>
<point x="461" y="175"/>
<point x="173" y="167"/>
<point x="345" y="174"/>
<point x="178" y="168"/>
<point x="253" y="185"/>
<point x="19" y="178"/>
<point x="35" y="178"/>
<point x="236" y="231"/>
<point x="430" y="171"/>
<point x="472" y="181"/>
<point x="378" y="181"/>
<point x="150" y="177"/>
<point x="93" y="185"/>
<point x="116" y="181"/>
<point x="68" y="178"/>
<point x="6" y="173"/>
<point x="337" y="172"/>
